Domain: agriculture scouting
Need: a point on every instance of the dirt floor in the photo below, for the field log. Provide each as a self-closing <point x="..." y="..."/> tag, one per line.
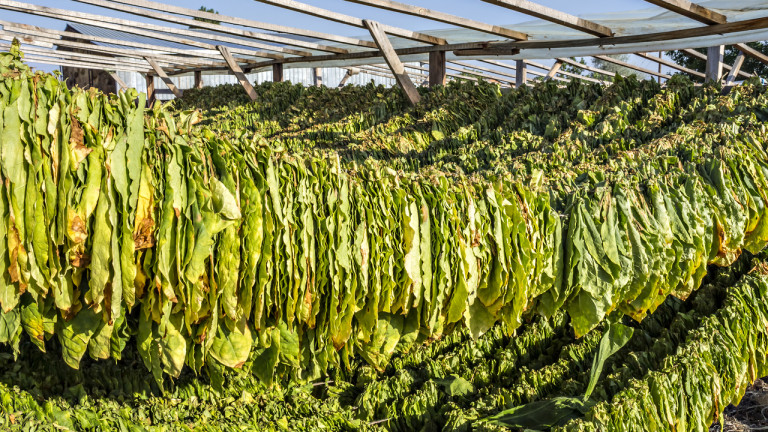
<point x="752" y="412"/>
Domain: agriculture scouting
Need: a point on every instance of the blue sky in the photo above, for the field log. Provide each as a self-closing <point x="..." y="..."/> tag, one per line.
<point x="475" y="9"/>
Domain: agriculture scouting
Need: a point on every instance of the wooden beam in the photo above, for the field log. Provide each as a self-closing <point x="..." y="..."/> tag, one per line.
<point x="352" y="21"/>
<point x="244" y="22"/>
<point x="248" y="35"/>
<point x="484" y="69"/>
<point x="161" y="73"/>
<point x="521" y="76"/>
<point x="317" y="73"/>
<point x="670" y="64"/>
<point x="118" y="80"/>
<point x="350" y="73"/>
<point x="755" y="54"/>
<point x="443" y="18"/>
<point x="437" y="68"/>
<point x="198" y="79"/>
<point x="714" y="70"/>
<point x="701" y="56"/>
<point x="150" y="90"/>
<point x="393" y="61"/>
<point x="555" y="68"/>
<point x="277" y="72"/>
<point x="75" y="56"/>
<point x="235" y="68"/>
<point x="731" y="79"/>
<point x="691" y="10"/>
<point x="631" y="66"/>
<point x="554" y="15"/>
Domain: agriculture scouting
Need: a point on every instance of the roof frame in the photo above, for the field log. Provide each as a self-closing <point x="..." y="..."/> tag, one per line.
<point x="691" y="10"/>
<point x="554" y="15"/>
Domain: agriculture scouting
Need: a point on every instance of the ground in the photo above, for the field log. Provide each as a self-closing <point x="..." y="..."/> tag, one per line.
<point x="752" y="412"/>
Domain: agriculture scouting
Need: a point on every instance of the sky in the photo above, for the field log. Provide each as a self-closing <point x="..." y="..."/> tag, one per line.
<point x="251" y="9"/>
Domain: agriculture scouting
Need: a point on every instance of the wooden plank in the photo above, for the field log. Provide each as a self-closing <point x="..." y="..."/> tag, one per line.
<point x="244" y="22"/>
<point x="150" y="89"/>
<point x="755" y="54"/>
<point x="714" y="70"/>
<point x="701" y="56"/>
<point x="691" y="10"/>
<point x="222" y="29"/>
<point x="317" y="74"/>
<point x="731" y="79"/>
<point x="352" y="21"/>
<point x="393" y="61"/>
<point x="161" y="73"/>
<point x="631" y="66"/>
<point x="555" y="68"/>
<point x="75" y="56"/>
<point x="554" y="15"/>
<point x="437" y="68"/>
<point x="118" y="80"/>
<point x="277" y="72"/>
<point x="81" y="64"/>
<point x="198" y="79"/>
<point x="521" y="76"/>
<point x="350" y="73"/>
<point x="443" y="18"/>
<point x="483" y="69"/>
<point x="235" y="68"/>
<point x="670" y="64"/>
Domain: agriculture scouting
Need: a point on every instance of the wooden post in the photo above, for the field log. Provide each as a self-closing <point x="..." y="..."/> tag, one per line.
<point x="735" y="69"/>
<point x="198" y="79"/>
<point x="555" y="69"/>
<point x="235" y="69"/>
<point x="150" y="90"/>
<point x="277" y="72"/>
<point x="521" y="74"/>
<point x="393" y="61"/>
<point x="318" y="74"/>
<point x="436" y="68"/>
<point x="161" y="73"/>
<point x="119" y="81"/>
<point x="715" y="63"/>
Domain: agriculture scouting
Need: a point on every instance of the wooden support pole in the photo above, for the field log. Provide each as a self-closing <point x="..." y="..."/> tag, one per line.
<point x="277" y="72"/>
<point x="198" y="79"/>
<point x="393" y="61"/>
<point x="317" y="73"/>
<point x="150" y="90"/>
<point x="436" y="68"/>
<point x="715" y="63"/>
<point x="521" y="73"/>
<point x="235" y="69"/>
<point x="735" y="69"/>
<point x="555" y="69"/>
<point x="350" y="73"/>
<point x="118" y="80"/>
<point x="161" y="73"/>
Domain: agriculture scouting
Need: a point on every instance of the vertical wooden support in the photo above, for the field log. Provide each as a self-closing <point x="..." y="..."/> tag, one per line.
<point x="277" y="72"/>
<point x="318" y="75"/>
<point x="714" y="63"/>
<point x="150" y="90"/>
<point x="161" y="73"/>
<point x="735" y="69"/>
<point x="393" y="61"/>
<point x="521" y="73"/>
<point x="198" y="79"/>
<point x="437" y="71"/>
<point x="239" y="74"/>
<point x="554" y="70"/>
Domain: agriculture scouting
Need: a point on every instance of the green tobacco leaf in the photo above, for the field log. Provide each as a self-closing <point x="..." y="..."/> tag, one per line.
<point x="231" y="347"/>
<point x="75" y="334"/>
<point x="223" y="201"/>
<point x="541" y="415"/>
<point x="615" y="337"/>
<point x="455" y="385"/>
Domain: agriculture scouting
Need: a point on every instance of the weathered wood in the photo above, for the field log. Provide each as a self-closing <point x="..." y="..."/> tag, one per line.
<point x="443" y="17"/>
<point x="118" y="80"/>
<point x="81" y="64"/>
<point x="555" y="68"/>
<point x="164" y="7"/>
<point x="437" y="68"/>
<point x="317" y="73"/>
<point x="249" y="35"/>
<point x="198" y="79"/>
<point x="350" y="20"/>
<point x="631" y="66"/>
<point x="483" y="69"/>
<point x="691" y="10"/>
<point x="554" y="15"/>
<point x="521" y="74"/>
<point x="163" y="76"/>
<point x="350" y="73"/>
<point x="714" y="70"/>
<point x="587" y="67"/>
<point x="726" y="67"/>
<point x="277" y="72"/>
<point x="731" y="79"/>
<point x="76" y="56"/>
<point x="670" y="64"/>
<point x="393" y="61"/>
<point x="150" y="90"/>
<point x="755" y="54"/>
<point x="239" y="74"/>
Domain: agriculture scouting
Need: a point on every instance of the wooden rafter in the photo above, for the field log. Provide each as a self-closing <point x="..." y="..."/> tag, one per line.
<point x="238" y="72"/>
<point x="587" y="67"/>
<point x="555" y="69"/>
<point x="701" y="56"/>
<point x="691" y="10"/>
<point x="442" y="17"/>
<point x="393" y="61"/>
<point x="554" y="15"/>
<point x="755" y="54"/>
<point x="735" y="69"/>
<point x="163" y="76"/>
<point x="670" y="64"/>
<point x="631" y="66"/>
<point x="352" y="21"/>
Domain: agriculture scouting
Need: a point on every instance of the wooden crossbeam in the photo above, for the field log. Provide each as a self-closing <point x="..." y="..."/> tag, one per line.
<point x="76" y="56"/>
<point x="587" y="67"/>
<point x="755" y="54"/>
<point x="554" y="15"/>
<point x="735" y="69"/>
<point x="352" y="21"/>
<point x="393" y="61"/>
<point x="483" y="69"/>
<point x="555" y="69"/>
<point x="221" y="29"/>
<point x="691" y="10"/>
<point x="244" y="22"/>
<point x="631" y="66"/>
<point x="670" y="64"/>
<point x="163" y="76"/>
<point x="443" y="17"/>
<point x="701" y="56"/>
<point x="80" y="64"/>
<point x="239" y="74"/>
